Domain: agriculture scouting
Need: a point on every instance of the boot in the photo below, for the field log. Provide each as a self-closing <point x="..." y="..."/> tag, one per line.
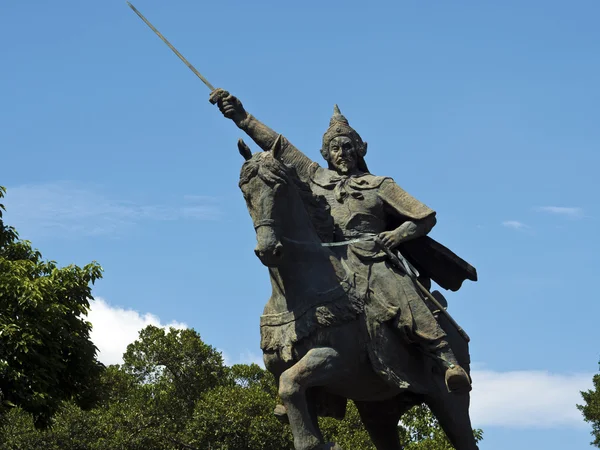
<point x="456" y="378"/>
<point x="281" y="414"/>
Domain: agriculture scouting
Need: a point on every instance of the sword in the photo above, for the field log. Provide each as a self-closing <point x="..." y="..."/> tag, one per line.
<point x="402" y="263"/>
<point x="185" y="61"/>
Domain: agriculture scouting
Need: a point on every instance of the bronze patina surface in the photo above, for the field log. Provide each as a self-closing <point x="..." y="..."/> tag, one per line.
<point x="350" y="262"/>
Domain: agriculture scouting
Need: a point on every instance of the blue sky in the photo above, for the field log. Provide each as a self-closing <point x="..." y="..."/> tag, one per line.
<point x="486" y="111"/>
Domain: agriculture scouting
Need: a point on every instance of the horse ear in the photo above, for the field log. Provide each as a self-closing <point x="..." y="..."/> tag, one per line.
<point x="277" y="147"/>
<point x="244" y="149"/>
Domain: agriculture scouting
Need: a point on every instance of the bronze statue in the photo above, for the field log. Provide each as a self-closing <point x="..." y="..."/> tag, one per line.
<point x="350" y="316"/>
<point x="347" y="252"/>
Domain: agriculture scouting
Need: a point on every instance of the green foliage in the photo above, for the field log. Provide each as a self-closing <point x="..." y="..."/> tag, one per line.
<point x="348" y="433"/>
<point x="239" y="415"/>
<point x="591" y="409"/>
<point x="172" y="371"/>
<point x="420" y="430"/>
<point x="176" y="364"/>
<point x="122" y="421"/>
<point x="46" y="355"/>
<point x="144" y="406"/>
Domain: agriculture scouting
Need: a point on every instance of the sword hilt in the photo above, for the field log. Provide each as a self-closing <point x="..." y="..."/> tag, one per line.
<point x="216" y="95"/>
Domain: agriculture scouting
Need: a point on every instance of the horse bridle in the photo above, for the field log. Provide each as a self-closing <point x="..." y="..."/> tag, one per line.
<point x="265" y="223"/>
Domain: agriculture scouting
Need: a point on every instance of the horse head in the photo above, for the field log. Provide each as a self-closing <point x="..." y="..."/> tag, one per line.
<point x="264" y="181"/>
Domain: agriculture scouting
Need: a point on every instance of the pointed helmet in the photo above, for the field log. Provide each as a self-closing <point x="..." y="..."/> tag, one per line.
<point x="339" y="126"/>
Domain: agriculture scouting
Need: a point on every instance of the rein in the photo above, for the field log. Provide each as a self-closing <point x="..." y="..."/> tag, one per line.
<point x="364" y="238"/>
<point x="367" y="237"/>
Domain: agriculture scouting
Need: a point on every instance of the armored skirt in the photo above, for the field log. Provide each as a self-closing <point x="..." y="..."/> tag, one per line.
<point x="395" y="313"/>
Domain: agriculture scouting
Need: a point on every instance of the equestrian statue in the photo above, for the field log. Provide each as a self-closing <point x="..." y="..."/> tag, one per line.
<point x="351" y="316"/>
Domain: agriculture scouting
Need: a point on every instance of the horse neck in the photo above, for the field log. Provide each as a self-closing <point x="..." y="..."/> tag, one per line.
<point x="307" y="270"/>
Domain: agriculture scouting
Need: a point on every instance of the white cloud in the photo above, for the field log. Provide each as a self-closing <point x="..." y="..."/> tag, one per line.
<point x="527" y="399"/>
<point x="571" y="212"/>
<point x="70" y="209"/>
<point x="247" y="357"/>
<point x="514" y="224"/>
<point x="115" y="328"/>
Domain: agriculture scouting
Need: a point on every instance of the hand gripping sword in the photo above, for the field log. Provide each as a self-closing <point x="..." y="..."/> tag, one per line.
<point x="213" y="99"/>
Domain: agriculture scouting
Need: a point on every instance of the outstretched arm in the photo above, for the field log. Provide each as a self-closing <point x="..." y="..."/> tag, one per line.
<point x="232" y="108"/>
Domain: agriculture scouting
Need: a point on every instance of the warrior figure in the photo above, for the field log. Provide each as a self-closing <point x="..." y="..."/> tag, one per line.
<point x="363" y="204"/>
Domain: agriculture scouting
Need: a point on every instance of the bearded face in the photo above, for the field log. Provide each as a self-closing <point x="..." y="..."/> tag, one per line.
<point x="343" y="155"/>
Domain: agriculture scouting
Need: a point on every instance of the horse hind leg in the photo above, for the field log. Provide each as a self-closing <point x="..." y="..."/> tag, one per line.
<point x="319" y="367"/>
<point x="452" y="412"/>
<point x="381" y="422"/>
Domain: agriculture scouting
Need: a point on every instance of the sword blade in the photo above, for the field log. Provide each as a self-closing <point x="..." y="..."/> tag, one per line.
<point x="186" y="62"/>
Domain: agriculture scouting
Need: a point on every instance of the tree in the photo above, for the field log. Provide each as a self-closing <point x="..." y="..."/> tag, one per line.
<point x="145" y="405"/>
<point x="420" y="430"/>
<point x="120" y="421"/>
<point x="591" y="409"/>
<point x="46" y="355"/>
<point x="239" y="414"/>
<point x="172" y="369"/>
<point x="348" y="433"/>
<point x="177" y="366"/>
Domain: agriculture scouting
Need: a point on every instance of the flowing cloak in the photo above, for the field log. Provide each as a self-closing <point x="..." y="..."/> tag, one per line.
<point x="432" y="259"/>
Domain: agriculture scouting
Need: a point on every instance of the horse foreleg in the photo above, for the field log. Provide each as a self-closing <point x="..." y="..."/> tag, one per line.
<point x="452" y="412"/>
<point x="318" y="367"/>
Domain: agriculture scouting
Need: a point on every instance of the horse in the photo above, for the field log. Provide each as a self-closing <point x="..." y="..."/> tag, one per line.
<point x="313" y="333"/>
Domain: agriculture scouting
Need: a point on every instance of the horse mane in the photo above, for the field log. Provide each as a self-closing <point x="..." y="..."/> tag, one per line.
<point x="266" y="167"/>
<point x="272" y="172"/>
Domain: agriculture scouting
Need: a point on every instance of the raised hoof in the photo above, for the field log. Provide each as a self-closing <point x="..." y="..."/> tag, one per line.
<point x="281" y="414"/>
<point x="458" y="381"/>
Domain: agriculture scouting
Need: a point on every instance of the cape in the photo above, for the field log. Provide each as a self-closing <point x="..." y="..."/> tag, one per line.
<point x="437" y="262"/>
<point x="430" y="258"/>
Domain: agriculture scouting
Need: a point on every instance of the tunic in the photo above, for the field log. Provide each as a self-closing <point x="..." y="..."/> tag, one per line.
<point x="367" y="204"/>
